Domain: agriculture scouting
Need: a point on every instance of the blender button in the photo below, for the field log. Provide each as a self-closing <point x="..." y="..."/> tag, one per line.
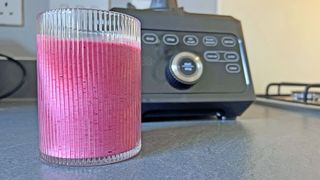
<point x="150" y="38"/>
<point x="229" y="41"/>
<point x="231" y="56"/>
<point x="210" y="41"/>
<point x="170" y="39"/>
<point x="212" y="56"/>
<point x="190" y="40"/>
<point x="233" y="68"/>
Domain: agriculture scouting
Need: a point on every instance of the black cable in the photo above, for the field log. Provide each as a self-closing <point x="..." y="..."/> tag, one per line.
<point x="23" y="78"/>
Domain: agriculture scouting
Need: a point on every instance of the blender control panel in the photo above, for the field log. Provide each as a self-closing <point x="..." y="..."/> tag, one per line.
<point x="192" y="62"/>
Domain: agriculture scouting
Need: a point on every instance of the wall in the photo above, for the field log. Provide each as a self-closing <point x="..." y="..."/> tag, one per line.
<point x="24" y="36"/>
<point x="282" y="38"/>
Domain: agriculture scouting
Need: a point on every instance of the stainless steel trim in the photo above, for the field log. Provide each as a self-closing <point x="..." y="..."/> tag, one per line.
<point x="244" y="63"/>
<point x="179" y="76"/>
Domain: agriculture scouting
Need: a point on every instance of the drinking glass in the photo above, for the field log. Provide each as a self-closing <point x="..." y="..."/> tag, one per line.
<point x="89" y="86"/>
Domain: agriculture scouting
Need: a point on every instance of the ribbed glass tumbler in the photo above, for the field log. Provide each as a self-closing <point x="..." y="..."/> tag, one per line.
<point x="89" y="86"/>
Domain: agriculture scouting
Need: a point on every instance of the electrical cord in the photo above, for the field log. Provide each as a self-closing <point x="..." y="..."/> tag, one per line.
<point x="23" y="78"/>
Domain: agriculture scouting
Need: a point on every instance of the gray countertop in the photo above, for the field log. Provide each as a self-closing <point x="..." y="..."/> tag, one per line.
<point x="264" y="143"/>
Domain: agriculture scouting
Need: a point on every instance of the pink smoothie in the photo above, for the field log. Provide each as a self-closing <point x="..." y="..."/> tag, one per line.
<point x="88" y="97"/>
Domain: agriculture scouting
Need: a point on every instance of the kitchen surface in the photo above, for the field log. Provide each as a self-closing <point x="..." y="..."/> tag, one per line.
<point x="264" y="143"/>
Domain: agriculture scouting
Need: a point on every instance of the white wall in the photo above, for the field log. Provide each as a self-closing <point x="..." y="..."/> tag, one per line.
<point x="282" y="38"/>
<point x="24" y="36"/>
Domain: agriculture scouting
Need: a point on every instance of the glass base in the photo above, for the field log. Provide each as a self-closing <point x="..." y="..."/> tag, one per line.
<point x="92" y="161"/>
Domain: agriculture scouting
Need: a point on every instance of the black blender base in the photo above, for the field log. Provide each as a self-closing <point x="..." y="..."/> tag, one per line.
<point x="193" y="111"/>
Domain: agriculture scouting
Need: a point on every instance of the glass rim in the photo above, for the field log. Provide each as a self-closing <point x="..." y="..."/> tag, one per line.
<point x="86" y="10"/>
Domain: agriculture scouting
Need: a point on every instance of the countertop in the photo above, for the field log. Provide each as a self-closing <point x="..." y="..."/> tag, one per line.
<point x="264" y="143"/>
